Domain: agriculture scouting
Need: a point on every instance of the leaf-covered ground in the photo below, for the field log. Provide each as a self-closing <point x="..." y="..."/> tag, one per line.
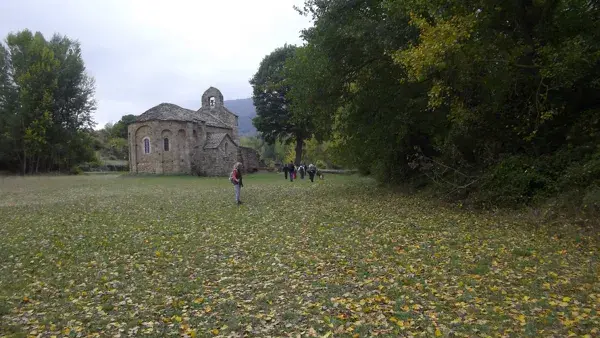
<point x="169" y="256"/>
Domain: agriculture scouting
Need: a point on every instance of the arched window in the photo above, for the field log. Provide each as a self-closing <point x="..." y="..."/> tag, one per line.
<point x="166" y="143"/>
<point x="211" y="101"/>
<point x="226" y="146"/>
<point x="146" y="146"/>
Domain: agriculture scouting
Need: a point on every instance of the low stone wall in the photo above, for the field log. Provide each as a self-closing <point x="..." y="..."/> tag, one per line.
<point x="250" y="159"/>
<point x="338" y="171"/>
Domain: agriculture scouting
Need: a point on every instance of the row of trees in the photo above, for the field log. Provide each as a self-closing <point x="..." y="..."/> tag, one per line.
<point x="313" y="151"/>
<point x="498" y="98"/>
<point x="46" y="104"/>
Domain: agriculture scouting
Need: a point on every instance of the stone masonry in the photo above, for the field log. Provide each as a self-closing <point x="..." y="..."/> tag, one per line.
<point x="168" y="139"/>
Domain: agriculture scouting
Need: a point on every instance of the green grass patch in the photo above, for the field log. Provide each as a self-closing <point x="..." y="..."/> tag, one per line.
<point x="166" y="256"/>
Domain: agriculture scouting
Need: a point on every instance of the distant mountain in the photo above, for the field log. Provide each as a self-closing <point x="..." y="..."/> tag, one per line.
<point x="244" y="108"/>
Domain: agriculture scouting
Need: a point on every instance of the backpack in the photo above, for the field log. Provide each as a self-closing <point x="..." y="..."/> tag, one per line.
<point x="231" y="177"/>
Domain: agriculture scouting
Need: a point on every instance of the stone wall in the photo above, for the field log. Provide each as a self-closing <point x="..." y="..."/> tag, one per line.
<point x="218" y="161"/>
<point x="181" y="144"/>
<point x="186" y="153"/>
<point x="250" y="159"/>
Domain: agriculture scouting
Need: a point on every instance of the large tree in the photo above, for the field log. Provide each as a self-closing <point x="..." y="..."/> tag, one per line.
<point x="467" y="94"/>
<point x="275" y="119"/>
<point x="46" y="102"/>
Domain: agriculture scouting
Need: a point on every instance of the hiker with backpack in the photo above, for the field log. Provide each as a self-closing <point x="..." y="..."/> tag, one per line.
<point x="302" y="170"/>
<point x="312" y="170"/>
<point x="236" y="179"/>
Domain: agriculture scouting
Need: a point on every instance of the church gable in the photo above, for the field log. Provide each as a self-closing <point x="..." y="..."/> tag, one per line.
<point x="214" y="140"/>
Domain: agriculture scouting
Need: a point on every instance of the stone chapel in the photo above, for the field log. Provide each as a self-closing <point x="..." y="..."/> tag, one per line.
<point x="168" y="139"/>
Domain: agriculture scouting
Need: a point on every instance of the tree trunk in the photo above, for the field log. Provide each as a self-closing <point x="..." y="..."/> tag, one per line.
<point x="24" y="163"/>
<point x="299" y="144"/>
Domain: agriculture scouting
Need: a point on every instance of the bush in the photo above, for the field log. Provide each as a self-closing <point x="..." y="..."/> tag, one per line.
<point x="321" y="164"/>
<point x="581" y="174"/>
<point x="514" y="181"/>
<point x="591" y="200"/>
<point x="76" y="170"/>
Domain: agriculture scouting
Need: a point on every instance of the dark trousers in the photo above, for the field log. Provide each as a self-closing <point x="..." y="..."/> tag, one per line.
<point x="285" y="173"/>
<point x="311" y="175"/>
<point x="302" y="174"/>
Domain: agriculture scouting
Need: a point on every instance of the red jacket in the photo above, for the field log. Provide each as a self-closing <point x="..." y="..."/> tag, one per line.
<point x="236" y="176"/>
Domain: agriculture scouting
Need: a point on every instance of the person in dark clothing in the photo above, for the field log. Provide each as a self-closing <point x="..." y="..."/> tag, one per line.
<point x="312" y="171"/>
<point x="302" y="170"/>
<point x="292" y="170"/>
<point x="285" y="170"/>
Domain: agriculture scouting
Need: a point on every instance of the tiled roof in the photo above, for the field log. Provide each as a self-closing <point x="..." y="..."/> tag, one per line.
<point x="213" y="140"/>
<point x="173" y="112"/>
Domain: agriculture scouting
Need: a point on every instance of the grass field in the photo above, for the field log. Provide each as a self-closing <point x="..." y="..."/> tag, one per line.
<point x="106" y="255"/>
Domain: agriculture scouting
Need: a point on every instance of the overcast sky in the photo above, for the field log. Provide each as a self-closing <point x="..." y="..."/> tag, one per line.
<point x="145" y="52"/>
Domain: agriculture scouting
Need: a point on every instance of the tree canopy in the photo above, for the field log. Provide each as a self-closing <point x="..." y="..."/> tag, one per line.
<point x="46" y="104"/>
<point x="492" y="100"/>
<point x="275" y="119"/>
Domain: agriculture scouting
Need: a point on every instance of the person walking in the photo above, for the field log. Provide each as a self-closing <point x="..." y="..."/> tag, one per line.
<point x="312" y="170"/>
<point x="236" y="179"/>
<point x="285" y="170"/>
<point x="302" y="170"/>
<point x="292" y="170"/>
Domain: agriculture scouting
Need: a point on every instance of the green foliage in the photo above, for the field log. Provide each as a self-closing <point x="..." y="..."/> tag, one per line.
<point x="46" y="102"/>
<point x="497" y="100"/>
<point x="119" y="129"/>
<point x="512" y="181"/>
<point x="270" y="153"/>
<point x="591" y="200"/>
<point x="103" y="256"/>
<point x="111" y="140"/>
<point x="77" y="170"/>
<point x="274" y="117"/>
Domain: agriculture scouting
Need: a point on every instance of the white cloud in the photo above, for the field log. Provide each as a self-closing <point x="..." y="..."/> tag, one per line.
<point x="142" y="53"/>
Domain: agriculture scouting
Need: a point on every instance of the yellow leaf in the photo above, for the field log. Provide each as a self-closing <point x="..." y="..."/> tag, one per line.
<point x="198" y="300"/>
<point x="215" y="331"/>
<point x="178" y="319"/>
<point x="438" y="333"/>
<point x="566" y="299"/>
<point x="326" y="335"/>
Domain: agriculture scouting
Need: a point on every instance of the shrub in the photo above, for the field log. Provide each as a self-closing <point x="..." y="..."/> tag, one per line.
<point x="76" y="170"/>
<point x="513" y="181"/>
<point x="581" y="174"/>
<point x="591" y="200"/>
<point x="321" y="164"/>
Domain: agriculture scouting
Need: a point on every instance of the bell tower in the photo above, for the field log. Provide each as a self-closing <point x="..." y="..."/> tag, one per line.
<point x="212" y="99"/>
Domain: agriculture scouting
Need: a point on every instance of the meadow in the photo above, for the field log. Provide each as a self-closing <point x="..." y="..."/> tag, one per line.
<point x="110" y="255"/>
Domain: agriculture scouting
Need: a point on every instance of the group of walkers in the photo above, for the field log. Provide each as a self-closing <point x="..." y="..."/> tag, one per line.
<point x="291" y="170"/>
